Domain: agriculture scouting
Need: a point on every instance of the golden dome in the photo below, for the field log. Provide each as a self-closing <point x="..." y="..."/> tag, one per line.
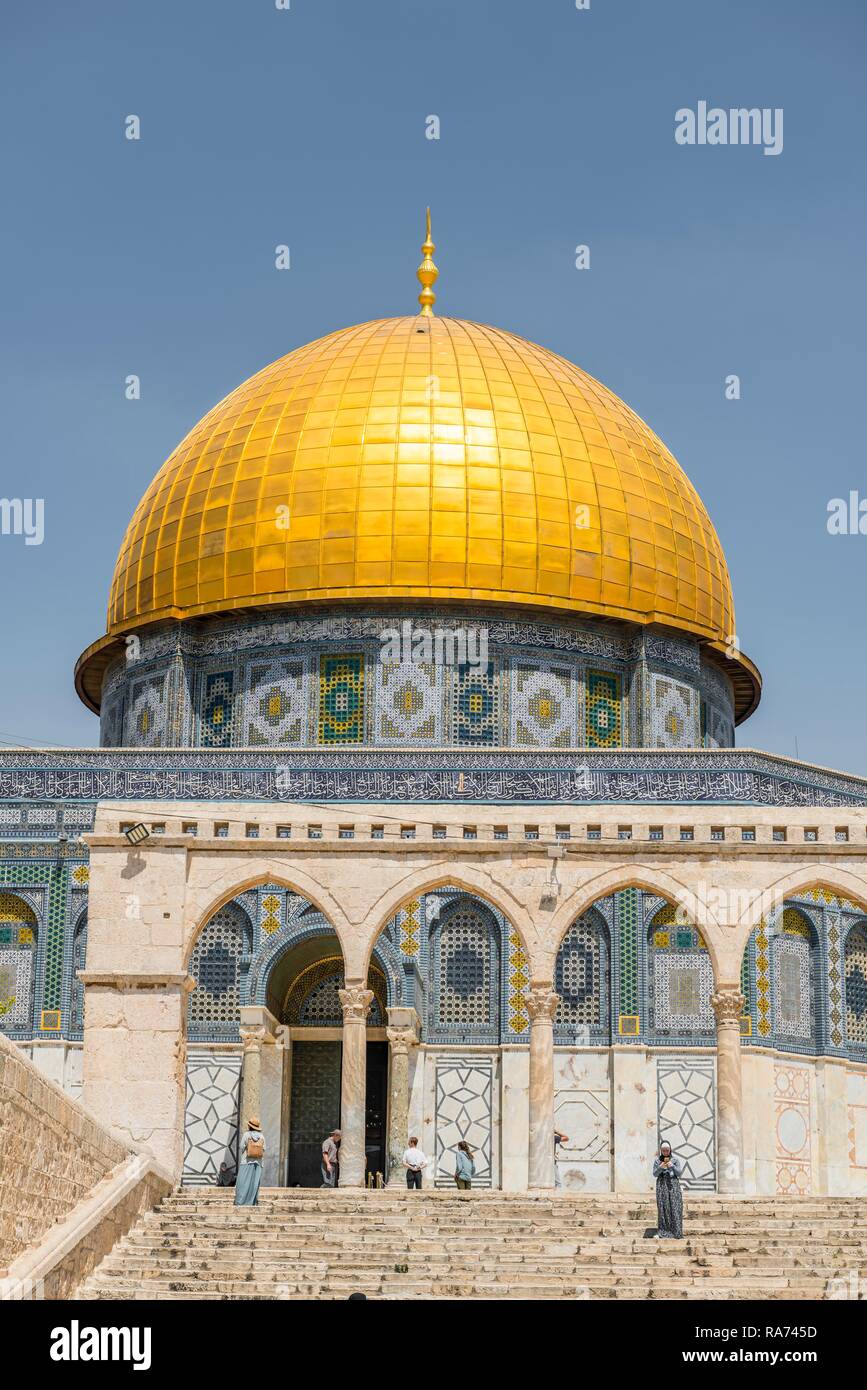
<point x="423" y="458"/>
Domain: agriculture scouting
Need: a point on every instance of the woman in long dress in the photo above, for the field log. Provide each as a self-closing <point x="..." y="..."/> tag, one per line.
<point x="251" y="1149"/>
<point x="667" y="1169"/>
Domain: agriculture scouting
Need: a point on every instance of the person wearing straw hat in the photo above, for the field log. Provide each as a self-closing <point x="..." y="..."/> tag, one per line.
<point x="251" y="1149"/>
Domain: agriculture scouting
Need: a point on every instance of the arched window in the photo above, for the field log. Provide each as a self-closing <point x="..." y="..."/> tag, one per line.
<point x="680" y="978"/>
<point x="581" y="978"/>
<point x="465" y="973"/>
<point x="17" y="964"/>
<point x="215" y="965"/>
<point x="791" y="957"/>
<point x="856" y="986"/>
<point x="79" y="957"/>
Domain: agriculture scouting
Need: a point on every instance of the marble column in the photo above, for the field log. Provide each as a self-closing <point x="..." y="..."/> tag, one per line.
<point x="251" y="1074"/>
<point x="401" y="1039"/>
<point x="541" y="1006"/>
<point x="728" y="1006"/>
<point x="356" y="1001"/>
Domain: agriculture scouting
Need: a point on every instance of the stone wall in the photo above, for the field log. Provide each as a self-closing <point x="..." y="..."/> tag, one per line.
<point x="68" y="1188"/>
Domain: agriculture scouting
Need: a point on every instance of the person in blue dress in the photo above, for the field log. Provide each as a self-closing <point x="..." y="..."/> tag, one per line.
<point x="251" y="1150"/>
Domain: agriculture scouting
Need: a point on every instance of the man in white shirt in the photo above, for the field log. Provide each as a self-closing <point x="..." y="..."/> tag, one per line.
<point x="414" y="1162"/>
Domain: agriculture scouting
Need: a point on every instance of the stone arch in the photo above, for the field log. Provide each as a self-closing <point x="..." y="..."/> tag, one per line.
<point x="800" y="882"/>
<point x="228" y="887"/>
<point x="310" y="924"/>
<point x="465" y="878"/>
<point x="657" y="884"/>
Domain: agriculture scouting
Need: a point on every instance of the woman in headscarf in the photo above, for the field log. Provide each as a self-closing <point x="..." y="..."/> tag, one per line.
<point x="667" y="1169"/>
<point x="251" y="1149"/>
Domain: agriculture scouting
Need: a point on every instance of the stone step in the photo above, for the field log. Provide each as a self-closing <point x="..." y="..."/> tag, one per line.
<point x="306" y="1245"/>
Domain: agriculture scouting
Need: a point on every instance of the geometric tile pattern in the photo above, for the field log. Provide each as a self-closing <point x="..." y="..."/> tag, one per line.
<point x="313" y="999"/>
<point x="79" y="959"/>
<point x="543" y="707"/>
<point x="215" y="966"/>
<point x="146" y="713"/>
<point x="16" y="986"/>
<point x="672" y="710"/>
<point x="856" y="986"/>
<point x="603" y="719"/>
<point x="465" y="951"/>
<point x="792" y="1129"/>
<point x="408" y="703"/>
<point x="686" y="1113"/>
<point x="409" y="926"/>
<point x="464" y="1110"/>
<point x="211" y="1115"/>
<point x="217" y="709"/>
<point x="763" y="980"/>
<point x="682" y="989"/>
<point x="519" y="979"/>
<point x="627" y="922"/>
<point x="793" y="1011"/>
<point x="580" y="978"/>
<point x="270" y="909"/>
<point x="476" y="705"/>
<point x="341" y="699"/>
<point x="276" y="703"/>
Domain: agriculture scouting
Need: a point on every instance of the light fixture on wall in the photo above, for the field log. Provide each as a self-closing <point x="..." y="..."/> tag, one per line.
<point x="137" y="833"/>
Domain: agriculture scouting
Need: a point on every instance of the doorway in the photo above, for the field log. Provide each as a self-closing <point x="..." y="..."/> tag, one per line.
<point x="314" y="1108"/>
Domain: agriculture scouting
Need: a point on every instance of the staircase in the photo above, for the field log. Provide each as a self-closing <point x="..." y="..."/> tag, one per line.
<point x="306" y="1244"/>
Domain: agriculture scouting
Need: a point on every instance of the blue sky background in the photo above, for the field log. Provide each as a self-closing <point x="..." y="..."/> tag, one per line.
<point x="262" y="126"/>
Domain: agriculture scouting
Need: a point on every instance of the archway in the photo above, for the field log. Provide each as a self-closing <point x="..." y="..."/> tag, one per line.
<point x="303" y="989"/>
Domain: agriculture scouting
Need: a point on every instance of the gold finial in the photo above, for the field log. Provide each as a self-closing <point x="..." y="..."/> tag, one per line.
<point x="427" y="274"/>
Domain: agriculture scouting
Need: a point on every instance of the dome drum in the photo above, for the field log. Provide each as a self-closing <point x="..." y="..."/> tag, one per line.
<point x="414" y="679"/>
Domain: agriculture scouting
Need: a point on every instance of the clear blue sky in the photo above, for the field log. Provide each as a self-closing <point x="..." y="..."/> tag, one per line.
<point x="306" y="127"/>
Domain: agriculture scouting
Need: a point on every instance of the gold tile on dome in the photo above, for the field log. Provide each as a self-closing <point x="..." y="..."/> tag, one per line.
<point x="471" y="447"/>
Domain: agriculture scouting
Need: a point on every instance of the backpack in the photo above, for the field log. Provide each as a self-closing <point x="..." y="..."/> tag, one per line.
<point x="255" y="1148"/>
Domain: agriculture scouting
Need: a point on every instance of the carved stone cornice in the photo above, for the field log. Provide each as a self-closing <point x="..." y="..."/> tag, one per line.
<point x="541" y="1002"/>
<point x="728" y="1005"/>
<point x="355" y="1001"/>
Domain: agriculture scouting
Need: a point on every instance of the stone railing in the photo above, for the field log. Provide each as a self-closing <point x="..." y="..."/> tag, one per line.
<point x="68" y="1188"/>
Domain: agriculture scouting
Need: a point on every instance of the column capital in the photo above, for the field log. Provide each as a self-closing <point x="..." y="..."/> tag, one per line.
<point x="541" y="1002"/>
<point x="253" y="1038"/>
<point x="355" y="1001"/>
<point x="728" y="1004"/>
<point x="401" y="1039"/>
